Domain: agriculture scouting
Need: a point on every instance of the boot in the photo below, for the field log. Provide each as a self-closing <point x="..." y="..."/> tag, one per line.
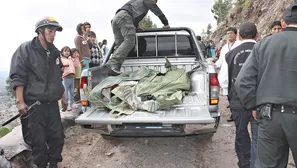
<point x="102" y="72"/>
<point x="53" y="165"/>
<point x="38" y="166"/>
<point x="230" y="119"/>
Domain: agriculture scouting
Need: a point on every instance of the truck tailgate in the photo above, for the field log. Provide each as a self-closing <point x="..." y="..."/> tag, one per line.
<point x="192" y="110"/>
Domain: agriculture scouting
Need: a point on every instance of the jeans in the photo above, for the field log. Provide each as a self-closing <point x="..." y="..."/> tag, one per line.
<point x="69" y="90"/>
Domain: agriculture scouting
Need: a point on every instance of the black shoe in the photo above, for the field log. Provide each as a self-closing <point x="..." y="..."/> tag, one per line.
<point x="53" y="165"/>
<point x="230" y="119"/>
<point x="101" y="73"/>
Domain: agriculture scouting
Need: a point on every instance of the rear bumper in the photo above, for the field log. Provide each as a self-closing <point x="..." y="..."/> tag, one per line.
<point x="180" y="115"/>
<point x="155" y="130"/>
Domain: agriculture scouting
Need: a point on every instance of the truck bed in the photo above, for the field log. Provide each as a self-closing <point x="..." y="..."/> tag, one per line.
<point x="192" y="110"/>
<point x="152" y="46"/>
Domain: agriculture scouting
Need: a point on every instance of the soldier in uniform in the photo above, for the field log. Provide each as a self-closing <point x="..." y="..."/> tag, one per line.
<point x="268" y="81"/>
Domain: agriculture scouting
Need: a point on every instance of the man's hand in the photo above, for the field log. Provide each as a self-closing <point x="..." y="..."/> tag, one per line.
<point x="21" y="105"/>
<point x="166" y="27"/>
<point x="22" y="108"/>
<point x="140" y="28"/>
<point x="254" y="113"/>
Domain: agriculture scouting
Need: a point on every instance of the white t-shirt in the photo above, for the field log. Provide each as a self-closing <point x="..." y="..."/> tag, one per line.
<point x="222" y="64"/>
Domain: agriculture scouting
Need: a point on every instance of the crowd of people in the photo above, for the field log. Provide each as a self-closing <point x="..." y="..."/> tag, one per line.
<point x="212" y="49"/>
<point x="257" y="77"/>
<point x="88" y="53"/>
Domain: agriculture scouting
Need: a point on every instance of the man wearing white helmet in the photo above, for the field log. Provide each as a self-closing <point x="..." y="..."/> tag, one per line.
<point x="36" y="75"/>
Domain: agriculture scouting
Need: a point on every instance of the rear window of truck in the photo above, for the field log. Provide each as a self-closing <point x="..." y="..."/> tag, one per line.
<point x="161" y="46"/>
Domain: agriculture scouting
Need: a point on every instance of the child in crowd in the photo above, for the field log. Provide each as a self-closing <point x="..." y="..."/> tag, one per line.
<point x="68" y="68"/>
<point x="75" y="56"/>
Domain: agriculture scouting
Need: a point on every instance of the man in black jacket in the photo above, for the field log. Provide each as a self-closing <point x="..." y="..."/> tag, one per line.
<point x="202" y="46"/>
<point x="268" y="81"/>
<point x="36" y="75"/>
<point x="246" y="151"/>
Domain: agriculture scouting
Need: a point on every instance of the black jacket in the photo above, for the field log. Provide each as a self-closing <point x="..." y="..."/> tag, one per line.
<point x="235" y="60"/>
<point x="39" y="72"/>
<point x="139" y="8"/>
<point x="203" y="48"/>
<point x="270" y="73"/>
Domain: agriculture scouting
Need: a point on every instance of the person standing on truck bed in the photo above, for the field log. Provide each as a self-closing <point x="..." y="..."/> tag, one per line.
<point x="268" y="81"/>
<point x="124" y="24"/>
<point x="36" y="75"/>
<point x="245" y="149"/>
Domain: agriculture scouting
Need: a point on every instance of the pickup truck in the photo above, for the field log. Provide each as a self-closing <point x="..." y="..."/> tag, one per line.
<point x="197" y="113"/>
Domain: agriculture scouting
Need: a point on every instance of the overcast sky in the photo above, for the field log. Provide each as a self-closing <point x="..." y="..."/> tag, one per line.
<point x="18" y="18"/>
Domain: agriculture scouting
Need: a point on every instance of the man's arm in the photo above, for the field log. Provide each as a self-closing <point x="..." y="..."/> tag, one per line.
<point x="222" y="57"/>
<point x="223" y="78"/>
<point x="22" y="107"/>
<point x="151" y="4"/>
<point x="19" y="77"/>
<point x="246" y="82"/>
<point x="220" y="61"/>
<point x="18" y="69"/>
<point x="20" y="94"/>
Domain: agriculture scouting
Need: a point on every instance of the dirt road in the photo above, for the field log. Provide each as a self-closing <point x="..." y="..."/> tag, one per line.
<point x="87" y="149"/>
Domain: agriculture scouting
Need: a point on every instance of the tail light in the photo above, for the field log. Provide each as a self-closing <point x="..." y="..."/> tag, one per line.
<point x="83" y="86"/>
<point x="83" y="82"/>
<point x="214" y="89"/>
<point x="84" y="103"/>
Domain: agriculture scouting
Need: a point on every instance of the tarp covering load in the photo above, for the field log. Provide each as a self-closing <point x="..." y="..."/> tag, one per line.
<point x="143" y="89"/>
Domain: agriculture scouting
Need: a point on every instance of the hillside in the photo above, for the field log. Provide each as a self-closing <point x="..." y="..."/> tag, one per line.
<point x="258" y="11"/>
<point x="3" y="76"/>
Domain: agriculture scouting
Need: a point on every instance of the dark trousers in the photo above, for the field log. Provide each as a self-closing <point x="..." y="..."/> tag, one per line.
<point x="43" y="131"/>
<point x="276" y="136"/>
<point x="244" y="146"/>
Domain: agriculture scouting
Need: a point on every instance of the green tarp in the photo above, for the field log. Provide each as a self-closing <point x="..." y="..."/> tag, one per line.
<point x="143" y="89"/>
